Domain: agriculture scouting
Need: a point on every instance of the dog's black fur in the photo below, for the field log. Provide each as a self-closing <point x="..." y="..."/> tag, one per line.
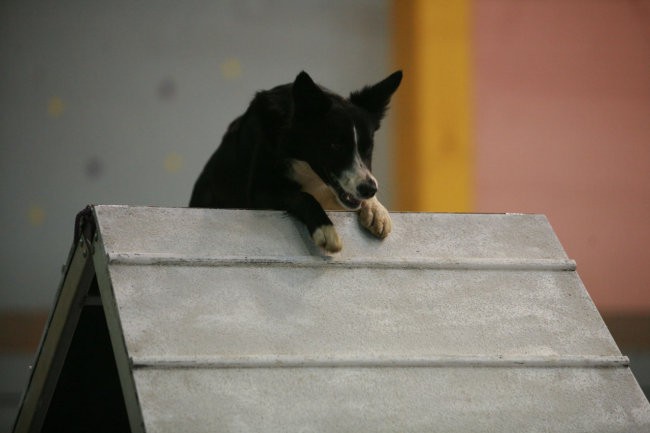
<point x="301" y="148"/>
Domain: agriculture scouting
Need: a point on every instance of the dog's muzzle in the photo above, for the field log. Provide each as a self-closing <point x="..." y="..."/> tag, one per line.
<point x="365" y="190"/>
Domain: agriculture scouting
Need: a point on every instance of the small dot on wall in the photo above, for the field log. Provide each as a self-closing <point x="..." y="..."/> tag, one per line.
<point x="55" y="107"/>
<point x="173" y="163"/>
<point x="231" y="69"/>
<point x="36" y="216"/>
<point x="94" y="168"/>
<point x="167" y="89"/>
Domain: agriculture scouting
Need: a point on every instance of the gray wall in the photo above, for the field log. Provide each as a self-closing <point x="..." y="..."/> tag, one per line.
<point x="122" y="102"/>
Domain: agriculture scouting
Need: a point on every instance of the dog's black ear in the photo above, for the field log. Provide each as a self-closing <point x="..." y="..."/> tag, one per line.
<point x="308" y="98"/>
<point x="374" y="99"/>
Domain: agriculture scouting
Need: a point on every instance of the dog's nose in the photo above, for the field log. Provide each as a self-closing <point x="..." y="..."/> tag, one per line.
<point x="367" y="189"/>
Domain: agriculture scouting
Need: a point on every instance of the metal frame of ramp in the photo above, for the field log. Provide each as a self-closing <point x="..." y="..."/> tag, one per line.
<point x="198" y="320"/>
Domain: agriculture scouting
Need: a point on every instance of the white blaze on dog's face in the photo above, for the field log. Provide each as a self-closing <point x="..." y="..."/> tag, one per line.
<point x="355" y="183"/>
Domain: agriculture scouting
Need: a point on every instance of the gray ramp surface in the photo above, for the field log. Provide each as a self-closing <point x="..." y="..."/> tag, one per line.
<point x="233" y="321"/>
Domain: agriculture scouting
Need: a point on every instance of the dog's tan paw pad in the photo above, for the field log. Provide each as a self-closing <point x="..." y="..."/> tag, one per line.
<point x="327" y="238"/>
<point x="374" y="216"/>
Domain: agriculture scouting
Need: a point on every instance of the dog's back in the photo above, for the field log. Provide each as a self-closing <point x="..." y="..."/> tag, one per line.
<point x="246" y="155"/>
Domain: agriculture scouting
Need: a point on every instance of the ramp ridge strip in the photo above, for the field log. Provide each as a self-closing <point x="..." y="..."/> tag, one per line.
<point x="277" y="361"/>
<point x="145" y="259"/>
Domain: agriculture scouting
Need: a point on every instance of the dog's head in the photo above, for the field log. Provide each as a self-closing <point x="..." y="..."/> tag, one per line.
<point x="335" y="135"/>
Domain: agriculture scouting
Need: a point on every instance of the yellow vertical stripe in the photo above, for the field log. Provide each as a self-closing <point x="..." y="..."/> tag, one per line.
<point x="432" y="108"/>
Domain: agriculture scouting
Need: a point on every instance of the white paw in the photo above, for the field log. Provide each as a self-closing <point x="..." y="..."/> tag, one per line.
<point x="327" y="238"/>
<point x="374" y="216"/>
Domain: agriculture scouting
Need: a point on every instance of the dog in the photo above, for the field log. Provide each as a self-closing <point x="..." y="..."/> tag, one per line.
<point x="301" y="148"/>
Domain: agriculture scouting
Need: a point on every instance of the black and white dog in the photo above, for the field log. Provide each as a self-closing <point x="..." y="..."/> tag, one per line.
<point x="301" y="148"/>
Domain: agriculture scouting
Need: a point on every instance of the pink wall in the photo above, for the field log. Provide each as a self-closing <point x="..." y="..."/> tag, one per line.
<point x="562" y="124"/>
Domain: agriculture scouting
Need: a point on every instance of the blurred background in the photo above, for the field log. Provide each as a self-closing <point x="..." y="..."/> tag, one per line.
<point x="531" y="106"/>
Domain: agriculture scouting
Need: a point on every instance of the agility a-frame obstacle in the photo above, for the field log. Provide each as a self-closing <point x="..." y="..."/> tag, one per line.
<point x="172" y="320"/>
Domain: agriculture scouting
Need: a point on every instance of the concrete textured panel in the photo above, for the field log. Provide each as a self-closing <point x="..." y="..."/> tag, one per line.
<point x="376" y="400"/>
<point x="173" y="312"/>
<point x="227" y="233"/>
<point x="232" y="320"/>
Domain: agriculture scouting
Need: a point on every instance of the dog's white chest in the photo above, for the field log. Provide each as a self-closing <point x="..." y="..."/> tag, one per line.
<point x="312" y="184"/>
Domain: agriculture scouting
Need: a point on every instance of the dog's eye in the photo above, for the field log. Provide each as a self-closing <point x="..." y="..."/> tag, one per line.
<point x="336" y="145"/>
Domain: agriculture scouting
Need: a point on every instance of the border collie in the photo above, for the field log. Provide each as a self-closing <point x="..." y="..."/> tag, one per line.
<point x="302" y="148"/>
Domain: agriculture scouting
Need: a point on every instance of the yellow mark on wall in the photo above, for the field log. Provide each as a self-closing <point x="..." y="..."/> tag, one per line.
<point x="231" y="68"/>
<point x="55" y="107"/>
<point x="36" y="216"/>
<point x="432" y="107"/>
<point x="173" y="163"/>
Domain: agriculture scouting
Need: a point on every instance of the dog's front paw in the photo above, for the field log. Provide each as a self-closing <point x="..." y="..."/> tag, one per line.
<point x="326" y="237"/>
<point x="374" y="216"/>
